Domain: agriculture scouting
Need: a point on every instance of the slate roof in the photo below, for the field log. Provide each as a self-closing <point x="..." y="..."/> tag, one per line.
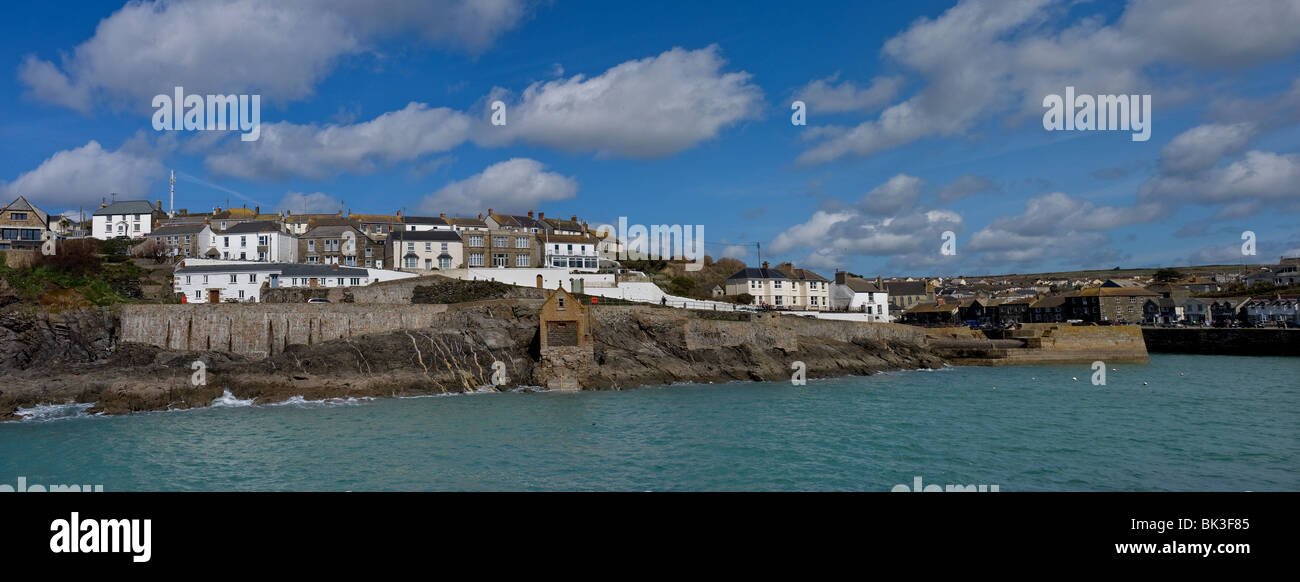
<point x="253" y="227"/>
<point x="127" y="207"/>
<point x="425" y="235"/>
<point x="757" y="273"/>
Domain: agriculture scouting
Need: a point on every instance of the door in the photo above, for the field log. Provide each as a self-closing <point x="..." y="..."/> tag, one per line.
<point x="539" y="281"/>
<point x="214" y="296"/>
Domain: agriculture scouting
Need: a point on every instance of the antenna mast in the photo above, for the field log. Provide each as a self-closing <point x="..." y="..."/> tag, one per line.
<point x="171" y="201"/>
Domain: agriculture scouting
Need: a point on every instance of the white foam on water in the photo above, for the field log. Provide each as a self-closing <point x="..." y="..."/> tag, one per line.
<point x="45" y="412"/>
<point x="228" y="400"/>
<point x="337" y="401"/>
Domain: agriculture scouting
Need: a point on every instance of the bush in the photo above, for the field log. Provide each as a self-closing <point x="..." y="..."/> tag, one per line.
<point x="79" y="258"/>
<point x="743" y="299"/>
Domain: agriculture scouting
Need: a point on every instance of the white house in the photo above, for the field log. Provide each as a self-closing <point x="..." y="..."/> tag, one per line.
<point x="203" y="282"/>
<point x="128" y="218"/>
<point x="420" y="223"/>
<point x="567" y="251"/>
<point x="860" y="295"/>
<point x="261" y="241"/>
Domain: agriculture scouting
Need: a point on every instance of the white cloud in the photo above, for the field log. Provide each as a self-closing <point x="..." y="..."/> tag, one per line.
<point x="824" y="96"/>
<point x="911" y="235"/>
<point x="735" y="251"/>
<point x="316" y="152"/>
<point x="314" y="203"/>
<point x="281" y="50"/>
<point x="1020" y="56"/>
<point x="1057" y="226"/>
<point x="515" y="185"/>
<point x="897" y="193"/>
<point x="1202" y="147"/>
<point x="85" y="175"/>
<point x="645" y="108"/>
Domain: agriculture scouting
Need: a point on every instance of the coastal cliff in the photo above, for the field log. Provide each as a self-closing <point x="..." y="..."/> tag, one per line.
<point x="273" y="352"/>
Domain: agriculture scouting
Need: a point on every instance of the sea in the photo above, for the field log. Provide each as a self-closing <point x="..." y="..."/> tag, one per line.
<point x="1178" y="423"/>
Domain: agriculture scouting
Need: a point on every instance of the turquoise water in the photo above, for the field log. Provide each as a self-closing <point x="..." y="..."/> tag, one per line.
<point x="1226" y="424"/>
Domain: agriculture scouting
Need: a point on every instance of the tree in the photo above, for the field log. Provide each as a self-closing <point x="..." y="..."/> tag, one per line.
<point x="681" y="285"/>
<point x="743" y="299"/>
<point x="1167" y="275"/>
<point x="150" y="249"/>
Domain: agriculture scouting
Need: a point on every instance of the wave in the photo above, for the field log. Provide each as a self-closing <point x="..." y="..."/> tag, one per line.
<point x="337" y="401"/>
<point x="46" y="412"/>
<point x="228" y="400"/>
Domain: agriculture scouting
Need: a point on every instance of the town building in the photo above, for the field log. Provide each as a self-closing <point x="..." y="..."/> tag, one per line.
<point x="22" y="225"/>
<point x="186" y="240"/>
<point x="905" y="294"/>
<point x="809" y="291"/>
<point x="1050" y="309"/>
<point x="256" y="241"/>
<point x="217" y="283"/>
<point x="849" y="293"/>
<point x="339" y="245"/>
<point x="769" y="287"/>
<point x="1114" y="304"/>
<point x="125" y="219"/>
<point x="425" y="223"/>
<point x="425" y="250"/>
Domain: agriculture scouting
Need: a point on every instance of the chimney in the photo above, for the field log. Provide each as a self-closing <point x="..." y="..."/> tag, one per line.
<point x="530" y="214"/>
<point x="288" y="213"/>
<point x="340" y="212"/>
<point x="880" y="283"/>
<point x="765" y="264"/>
<point x="256" y="209"/>
<point x="573" y="218"/>
<point x="399" y="213"/>
<point x="159" y="206"/>
<point x="442" y="215"/>
<point x="489" y="212"/>
<point x="480" y="215"/>
<point x="334" y="267"/>
<point x="840" y="277"/>
<point x="541" y="215"/>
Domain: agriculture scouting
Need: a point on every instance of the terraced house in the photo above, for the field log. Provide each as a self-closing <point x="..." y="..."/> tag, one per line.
<point x="425" y="250"/>
<point x="339" y="245"/>
<point x="186" y="240"/>
<point x="256" y="241"/>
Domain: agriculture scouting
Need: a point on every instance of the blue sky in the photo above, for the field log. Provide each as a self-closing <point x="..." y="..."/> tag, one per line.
<point x="923" y="117"/>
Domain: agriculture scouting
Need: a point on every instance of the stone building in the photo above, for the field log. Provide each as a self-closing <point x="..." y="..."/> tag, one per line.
<point x="567" y="348"/>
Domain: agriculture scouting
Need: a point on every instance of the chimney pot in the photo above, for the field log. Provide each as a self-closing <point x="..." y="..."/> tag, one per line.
<point x="541" y="215"/>
<point x="530" y="214"/>
<point x="256" y="209"/>
<point x="442" y="215"/>
<point x="765" y="264"/>
<point x="573" y="218"/>
<point x="480" y="215"/>
<point x="489" y="212"/>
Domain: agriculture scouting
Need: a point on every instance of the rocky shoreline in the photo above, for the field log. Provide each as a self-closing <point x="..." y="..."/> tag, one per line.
<point x="74" y="357"/>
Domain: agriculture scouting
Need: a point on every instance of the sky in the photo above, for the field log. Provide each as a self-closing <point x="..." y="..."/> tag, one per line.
<point x="921" y="118"/>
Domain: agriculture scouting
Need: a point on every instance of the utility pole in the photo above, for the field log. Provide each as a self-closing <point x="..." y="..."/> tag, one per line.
<point x="171" y="200"/>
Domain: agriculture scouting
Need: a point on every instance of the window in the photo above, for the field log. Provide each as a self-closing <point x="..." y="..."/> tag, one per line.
<point x="444" y="263"/>
<point x="232" y="278"/>
<point x="198" y="294"/>
<point x="356" y="280"/>
<point x="311" y="260"/>
<point x="428" y="246"/>
<point x="261" y="240"/>
<point x="499" y="260"/>
<point x="444" y="247"/>
<point x="476" y="241"/>
<point x="476" y="259"/>
<point x="243" y="242"/>
<point x="252" y="277"/>
<point x="521" y="260"/>
<point x="778" y="299"/>
<point x="499" y="242"/>
<point x="187" y="279"/>
<point x="410" y="246"/>
<point x="368" y="250"/>
<point x="340" y="281"/>
<point x="776" y="284"/>
<point x="521" y="243"/>
<point x="411" y="261"/>
<point x="225" y="241"/>
<point x="241" y="293"/>
<point x="137" y="227"/>
<point x="205" y="279"/>
<point x="311" y="246"/>
<point x="17" y="216"/>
